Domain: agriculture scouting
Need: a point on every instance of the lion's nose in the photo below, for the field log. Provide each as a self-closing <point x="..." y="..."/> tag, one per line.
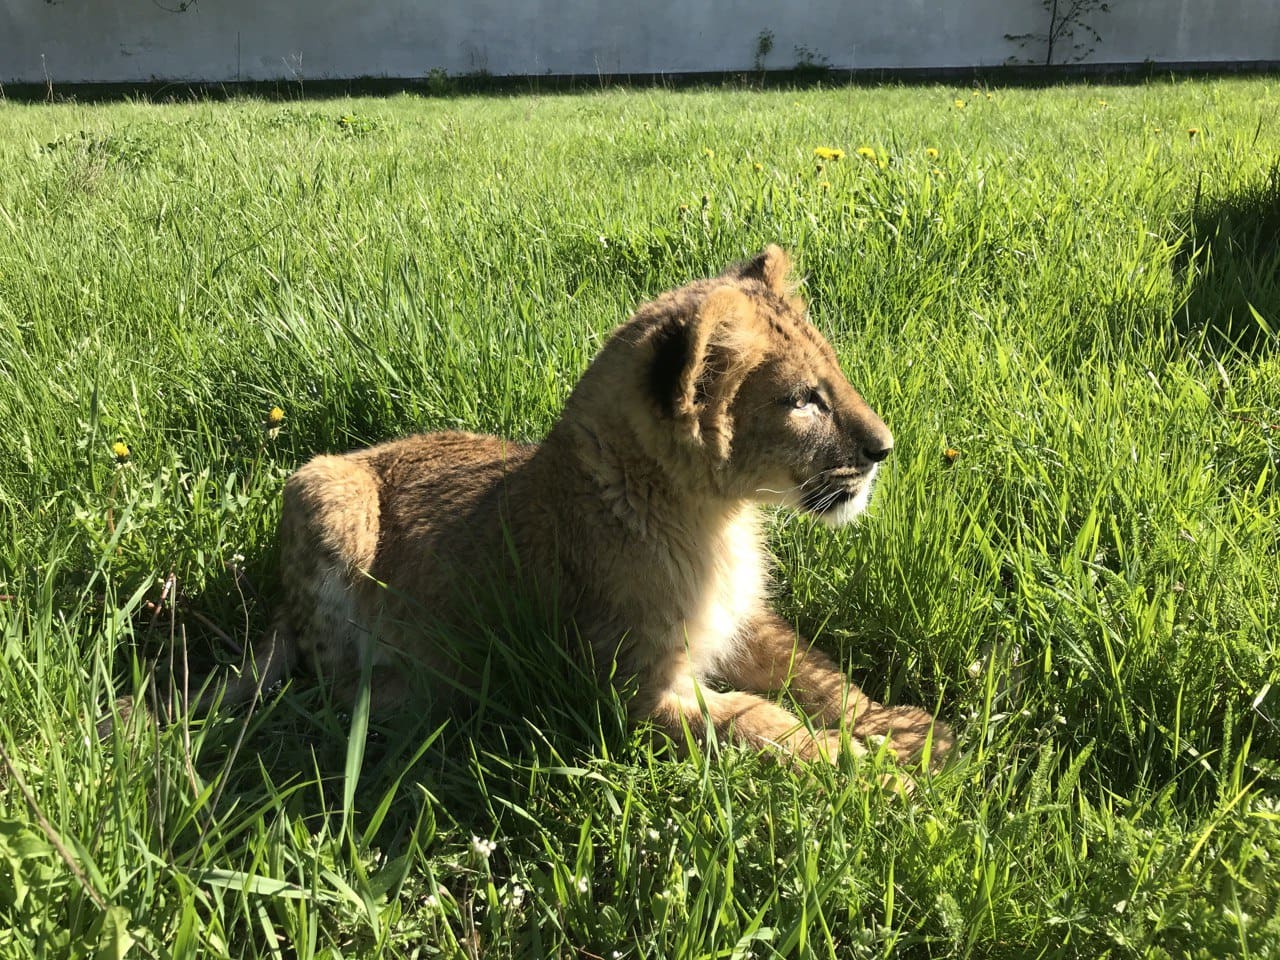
<point x="870" y="439"/>
<point x="876" y="451"/>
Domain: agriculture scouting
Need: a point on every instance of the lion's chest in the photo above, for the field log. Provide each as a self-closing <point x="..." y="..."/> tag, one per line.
<point x="732" y="594"/>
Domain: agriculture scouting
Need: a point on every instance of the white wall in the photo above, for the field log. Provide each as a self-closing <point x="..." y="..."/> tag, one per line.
<point x="225" y="40"/>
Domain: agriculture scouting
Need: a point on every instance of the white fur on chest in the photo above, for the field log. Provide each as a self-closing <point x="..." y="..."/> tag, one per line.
<point x="733" y="594"/>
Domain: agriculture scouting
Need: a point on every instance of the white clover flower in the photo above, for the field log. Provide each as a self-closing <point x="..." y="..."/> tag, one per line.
<point x="482" y="848"/>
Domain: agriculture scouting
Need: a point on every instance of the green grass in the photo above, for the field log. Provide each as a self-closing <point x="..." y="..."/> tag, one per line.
<point x="1079" y="297"/>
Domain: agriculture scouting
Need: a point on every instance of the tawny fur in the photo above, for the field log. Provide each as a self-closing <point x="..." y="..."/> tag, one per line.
<point x="634" y="523"/>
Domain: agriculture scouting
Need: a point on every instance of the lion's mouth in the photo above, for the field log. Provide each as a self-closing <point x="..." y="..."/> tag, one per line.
<point x="837" y="501"/>
<point x="826" y="499"/>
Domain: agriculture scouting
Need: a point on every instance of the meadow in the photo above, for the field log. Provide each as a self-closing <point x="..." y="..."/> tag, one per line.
<point x="1065" y="303"/>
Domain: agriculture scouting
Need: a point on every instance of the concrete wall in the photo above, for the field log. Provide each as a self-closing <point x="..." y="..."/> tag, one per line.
<point x="226" y="40"/>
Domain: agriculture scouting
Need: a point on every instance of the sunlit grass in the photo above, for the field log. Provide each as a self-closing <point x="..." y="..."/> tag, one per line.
<point x="1062" y="302"/>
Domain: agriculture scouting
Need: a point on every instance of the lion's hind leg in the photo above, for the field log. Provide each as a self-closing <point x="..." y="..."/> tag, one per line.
<point x="328" y="540"/>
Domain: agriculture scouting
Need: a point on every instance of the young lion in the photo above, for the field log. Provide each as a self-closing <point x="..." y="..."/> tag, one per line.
<point x="635" y="522"/>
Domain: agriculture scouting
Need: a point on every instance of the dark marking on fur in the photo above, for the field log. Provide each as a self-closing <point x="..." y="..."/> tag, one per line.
<point x="776" y="326"/>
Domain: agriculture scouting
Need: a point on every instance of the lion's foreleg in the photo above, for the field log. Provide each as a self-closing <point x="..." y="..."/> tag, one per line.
<point x="737" y="717"/>
<point x="776" y="658"/>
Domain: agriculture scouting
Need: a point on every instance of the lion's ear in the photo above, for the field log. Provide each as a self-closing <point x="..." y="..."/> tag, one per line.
<point x="698" y="364"/>
<point x="671" y="350"/>
<point x="771" y="266"/>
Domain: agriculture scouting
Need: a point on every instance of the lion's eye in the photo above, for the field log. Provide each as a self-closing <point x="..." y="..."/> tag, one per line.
<point x="809" y="398"/>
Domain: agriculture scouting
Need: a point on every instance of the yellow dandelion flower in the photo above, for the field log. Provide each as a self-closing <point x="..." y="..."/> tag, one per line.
<point x="932" y="153"/>
<point x="959" y="104"/>
<point x="828" y="153"/>
<point x="757" y="167"/>
<point x="1155" y="129"/>
<point x="708" y="153"/>
<point x="684" y="208"/>
<point x="867" y="153"/>
<point x="275" y="417"/>
<point x="825" y="184"/>
<point x="1103" y="103"/>
<point x="1193" y="132"/>
<point x="938" y="173"/>
<point x="950" y="454"/>
<point x="991" y="96"/>
<point x="121" y="451"/>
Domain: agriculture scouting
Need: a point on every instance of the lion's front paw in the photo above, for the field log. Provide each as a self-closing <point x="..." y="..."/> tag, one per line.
<point x="821" y="745"/>
<point x="906" y="732"/>
<point x="828" y="745"/>
<point x="824" y="745"/>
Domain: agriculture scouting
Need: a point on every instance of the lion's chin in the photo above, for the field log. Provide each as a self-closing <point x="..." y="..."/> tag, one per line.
<point x="846" y="509"/>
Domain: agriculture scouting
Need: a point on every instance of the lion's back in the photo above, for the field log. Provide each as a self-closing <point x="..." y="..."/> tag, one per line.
<point x="386" y="539"/>
<point x="446" y="507"/>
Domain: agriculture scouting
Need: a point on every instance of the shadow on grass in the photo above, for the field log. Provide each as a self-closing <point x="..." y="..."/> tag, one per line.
<point x="1230" y="262"/>
<point x="303" y="751"/>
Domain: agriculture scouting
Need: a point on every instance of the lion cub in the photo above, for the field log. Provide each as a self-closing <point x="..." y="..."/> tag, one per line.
<point x="635" y="522"/>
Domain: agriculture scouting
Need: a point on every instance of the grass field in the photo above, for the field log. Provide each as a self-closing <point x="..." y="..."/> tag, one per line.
<point x="1064" y="302"/>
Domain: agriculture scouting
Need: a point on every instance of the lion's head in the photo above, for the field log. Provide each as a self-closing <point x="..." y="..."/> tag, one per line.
<point x="739" y="385"/>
